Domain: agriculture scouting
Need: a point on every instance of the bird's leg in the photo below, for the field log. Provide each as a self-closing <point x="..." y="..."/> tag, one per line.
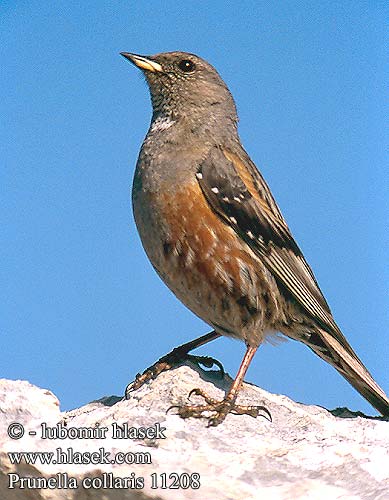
<point x="227" y="405"/>
<point x="173" y="358"/>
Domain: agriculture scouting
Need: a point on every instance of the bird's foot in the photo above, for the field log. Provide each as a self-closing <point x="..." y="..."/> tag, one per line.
<point x="219" y="408"/>
<point x="173" y="358"/>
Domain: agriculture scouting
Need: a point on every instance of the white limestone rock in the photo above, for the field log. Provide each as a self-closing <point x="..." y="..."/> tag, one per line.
<point x="304" y="453"/>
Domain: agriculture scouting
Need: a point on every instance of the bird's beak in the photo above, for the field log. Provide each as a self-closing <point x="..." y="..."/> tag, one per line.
<point x="142" y="62"/>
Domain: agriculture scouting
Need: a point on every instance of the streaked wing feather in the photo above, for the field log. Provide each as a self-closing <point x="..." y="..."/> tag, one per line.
<point x="237" y="192"/>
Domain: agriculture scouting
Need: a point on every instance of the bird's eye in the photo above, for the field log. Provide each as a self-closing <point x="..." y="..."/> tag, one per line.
<point x="186" y="66"/>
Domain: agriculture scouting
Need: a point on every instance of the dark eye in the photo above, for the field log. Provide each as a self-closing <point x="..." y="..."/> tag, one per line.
<point x="186" y="66"/>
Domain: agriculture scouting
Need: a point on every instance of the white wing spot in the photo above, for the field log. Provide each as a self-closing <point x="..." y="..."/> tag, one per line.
<point x="250" y="235"/>
<point x="215" y="190"/>
<point x="225" y="198"/>
<point x="237" y="199"/>
<point x="233" y="220"/>
<point x="199" y="175"/>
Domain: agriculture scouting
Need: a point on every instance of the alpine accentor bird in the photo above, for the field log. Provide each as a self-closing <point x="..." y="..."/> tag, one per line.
<point x="213" y="232"/>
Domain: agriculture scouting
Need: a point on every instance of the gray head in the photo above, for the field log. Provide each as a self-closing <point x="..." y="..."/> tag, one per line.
<point x="184" y="85"/>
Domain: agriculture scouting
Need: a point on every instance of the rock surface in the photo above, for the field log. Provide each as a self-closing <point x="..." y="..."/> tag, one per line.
<point x="304" y="453"/>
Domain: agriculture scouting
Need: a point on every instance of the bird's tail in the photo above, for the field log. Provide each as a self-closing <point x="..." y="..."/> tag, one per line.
<point x="342" y="357"/>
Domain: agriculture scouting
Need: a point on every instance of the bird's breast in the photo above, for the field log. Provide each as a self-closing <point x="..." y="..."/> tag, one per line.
<point x="202" y="260"/>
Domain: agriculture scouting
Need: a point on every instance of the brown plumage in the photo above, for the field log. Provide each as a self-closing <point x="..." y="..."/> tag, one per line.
<point x="213" y="231"/>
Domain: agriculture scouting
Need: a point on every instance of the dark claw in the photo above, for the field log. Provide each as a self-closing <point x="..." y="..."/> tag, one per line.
<point x="171" y="408"/>
<point x="130" y="387"/>
<point x="193" y="391"/>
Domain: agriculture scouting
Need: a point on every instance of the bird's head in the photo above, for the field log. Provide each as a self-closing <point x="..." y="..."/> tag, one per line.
<point x="183" y="84"/>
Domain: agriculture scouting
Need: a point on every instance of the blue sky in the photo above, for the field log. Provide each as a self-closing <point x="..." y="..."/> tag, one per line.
<point x="82" y="310"/>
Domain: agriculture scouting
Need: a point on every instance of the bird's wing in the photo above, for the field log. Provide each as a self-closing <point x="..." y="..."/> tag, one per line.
<point x="237" y="192"/>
